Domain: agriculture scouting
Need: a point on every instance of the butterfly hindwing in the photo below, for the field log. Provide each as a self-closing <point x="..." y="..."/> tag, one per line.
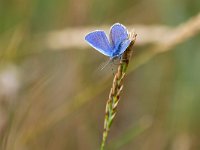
<point x="99" y="41"/>
<point x="123" y="46"/>
<point x="118" y="34"/>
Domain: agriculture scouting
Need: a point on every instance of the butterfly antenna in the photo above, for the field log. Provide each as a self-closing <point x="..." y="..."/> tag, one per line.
<point x="105" y="64"/>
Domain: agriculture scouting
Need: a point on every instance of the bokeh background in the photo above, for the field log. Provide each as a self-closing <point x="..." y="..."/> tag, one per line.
<point x="55" y="99"/>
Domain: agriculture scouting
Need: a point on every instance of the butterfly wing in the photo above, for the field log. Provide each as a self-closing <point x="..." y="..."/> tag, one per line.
<point x="123" y="46"/>
<point x="118" y="34"/>
<point x="99" y="41"/>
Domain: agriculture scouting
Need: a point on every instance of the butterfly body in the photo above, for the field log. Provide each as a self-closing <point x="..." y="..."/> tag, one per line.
<point x="115" y="45"/>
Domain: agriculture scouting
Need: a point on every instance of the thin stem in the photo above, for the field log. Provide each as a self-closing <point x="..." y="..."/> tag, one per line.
<point x="115" y="90"/>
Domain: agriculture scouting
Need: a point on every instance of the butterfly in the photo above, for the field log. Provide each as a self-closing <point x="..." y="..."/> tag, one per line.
<point x="115" y="45"/>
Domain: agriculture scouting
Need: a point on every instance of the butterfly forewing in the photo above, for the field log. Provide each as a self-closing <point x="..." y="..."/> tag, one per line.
<point x="99" y="41"/>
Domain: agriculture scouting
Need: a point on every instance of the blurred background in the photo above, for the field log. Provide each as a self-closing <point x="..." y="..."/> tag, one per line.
<point x="55" y="98"/>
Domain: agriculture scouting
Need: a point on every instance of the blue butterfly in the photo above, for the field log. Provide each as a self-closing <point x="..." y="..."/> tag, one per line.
<point x="113" y="47"/>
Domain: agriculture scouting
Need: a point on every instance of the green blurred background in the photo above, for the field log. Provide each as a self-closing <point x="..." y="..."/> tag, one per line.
<point x="51" y="100"/>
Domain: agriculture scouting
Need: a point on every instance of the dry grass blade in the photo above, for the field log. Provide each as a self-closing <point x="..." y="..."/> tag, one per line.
<point x="116" y="89"/>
